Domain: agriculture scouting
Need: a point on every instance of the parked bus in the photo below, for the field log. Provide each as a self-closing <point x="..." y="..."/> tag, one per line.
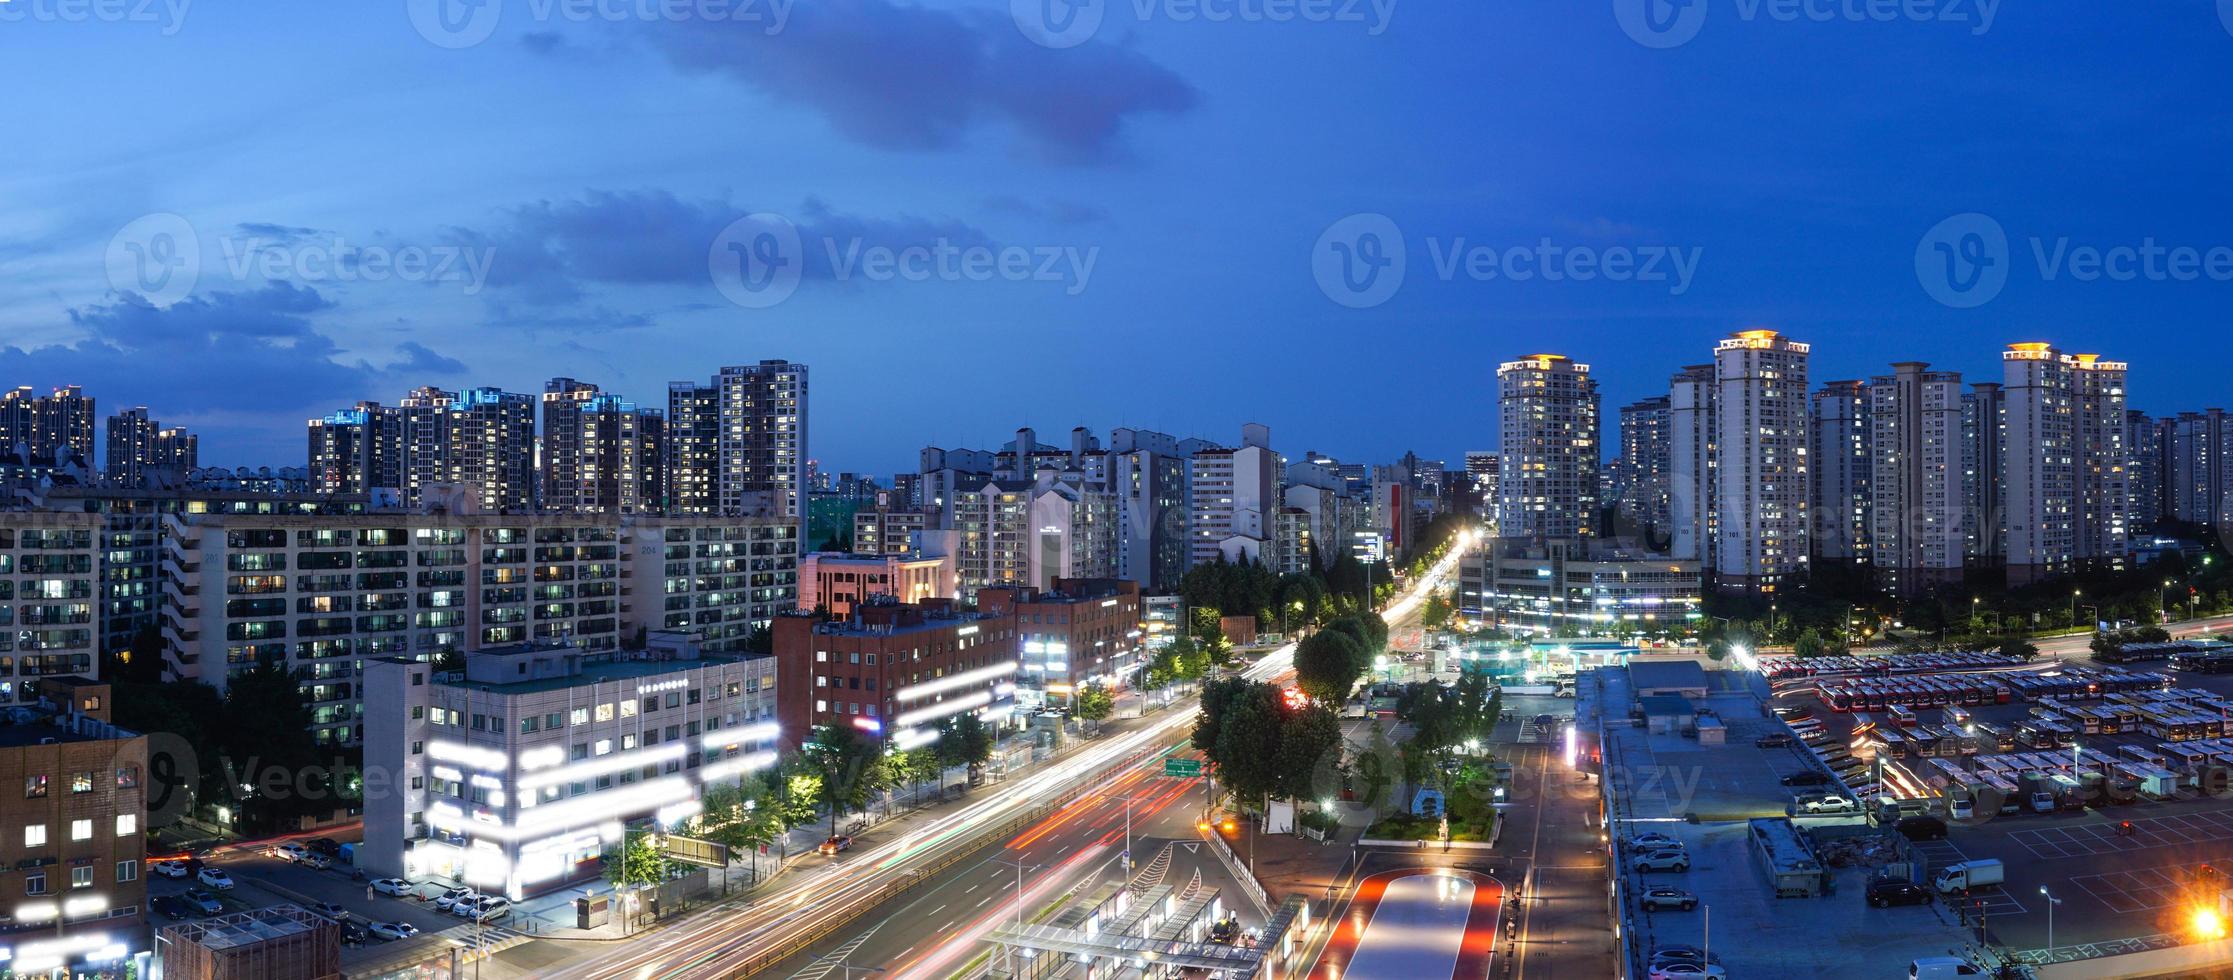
<point x="2002" y="739"/>
<point x="1958" y="716"/>
<point x="1902" y="715"/>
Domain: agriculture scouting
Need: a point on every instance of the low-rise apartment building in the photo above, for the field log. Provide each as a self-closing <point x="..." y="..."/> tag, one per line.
<point x="516" y="773"/>
<point x="1081" y="631"/>
<point x="895" y="671"/>
<point x="71" y="856"/>
<point x="49" y="593"/>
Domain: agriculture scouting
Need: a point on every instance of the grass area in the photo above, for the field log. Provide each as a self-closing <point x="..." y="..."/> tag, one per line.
<point x="1472" y="818"/>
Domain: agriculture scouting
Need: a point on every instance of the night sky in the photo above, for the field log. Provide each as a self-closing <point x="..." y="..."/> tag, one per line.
<point x="1147" y="212"/>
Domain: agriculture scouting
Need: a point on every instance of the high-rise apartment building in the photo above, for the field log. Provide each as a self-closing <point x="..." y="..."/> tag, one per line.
<point x="1984" y="429"/>
<point x="1647" y="455"/>
<point x="600" y="452"/>
<point x="1762" y="481"/>
<point x="693" y="459"/>
<point x="2199" y="460"/>
<point x="2144" y="441"/>
<point x="139" y="446"/>
<point x="425" y="426"/>
<point x="762" y="461"/>
<point x="358" y="450"/>
<point x="1693" y="430"/>
<point x="2104" y="461"/>
<point x="1547" y="426"/>
<point x="1841" y="472"/>
<point x="1915" y="482"/>
<point x="559" y="445"/>
<point x="1231" y="494"/>
<point x="1481" y="469"/>
<point x="58" y="424"/>
<point x="489" y="445"/>
<point x="2064" y="494"/>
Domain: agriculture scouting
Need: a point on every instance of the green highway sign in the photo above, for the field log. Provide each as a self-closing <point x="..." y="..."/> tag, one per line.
<point x="1175" y="766"/>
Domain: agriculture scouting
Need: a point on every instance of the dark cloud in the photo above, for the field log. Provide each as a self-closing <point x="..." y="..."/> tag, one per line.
<point x="255" y="351"/>
<point x="547" y="251"/>
<point x="913" y="78"/>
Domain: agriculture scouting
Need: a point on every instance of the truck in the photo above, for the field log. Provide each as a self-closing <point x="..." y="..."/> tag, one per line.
<point x="2158" y="784"/>
<point x="1965" y="875"/>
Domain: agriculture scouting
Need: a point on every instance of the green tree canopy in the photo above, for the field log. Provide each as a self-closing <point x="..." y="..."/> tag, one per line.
<point x="1094" y="702"/>
<point x="1327" y="665"/>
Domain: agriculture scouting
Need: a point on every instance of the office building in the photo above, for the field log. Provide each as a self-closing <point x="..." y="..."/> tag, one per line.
<point x="1761" y="481"/>
<point x="1080" y="632"/>
<point x="139" y="447"/>
<point x="1841" y="471"/>
<point x="895" y="671"/>
<point x="1915" y="485"/>
<point x="835" y="582"/>
<point x="1547" y="427"/>
<point x="516" y="773"/>
<point x="77" y="834"/>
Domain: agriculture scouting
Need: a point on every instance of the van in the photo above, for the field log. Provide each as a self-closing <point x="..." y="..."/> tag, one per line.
<point x="1942" y="968"/>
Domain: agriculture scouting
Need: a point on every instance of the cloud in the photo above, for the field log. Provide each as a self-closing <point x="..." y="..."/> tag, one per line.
<point x="910" y="78"/>
<point x="1059" y="212"/>
<point x="220" y="351"/>
<point x="546" y="252"/>
<point x="276" y="233"/>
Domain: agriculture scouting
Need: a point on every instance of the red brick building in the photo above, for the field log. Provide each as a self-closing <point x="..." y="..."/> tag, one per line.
<point x="894" y="670"/>
<point x="1082" y="630"/>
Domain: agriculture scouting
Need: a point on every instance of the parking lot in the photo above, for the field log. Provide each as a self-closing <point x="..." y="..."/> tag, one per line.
<point x="2127" y="875"/>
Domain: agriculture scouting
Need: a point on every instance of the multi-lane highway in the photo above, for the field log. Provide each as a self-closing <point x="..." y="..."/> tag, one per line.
<point x="821" y="895"/>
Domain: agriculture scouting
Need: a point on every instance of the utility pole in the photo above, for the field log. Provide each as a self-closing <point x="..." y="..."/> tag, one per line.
<point x="1020" y="867"/>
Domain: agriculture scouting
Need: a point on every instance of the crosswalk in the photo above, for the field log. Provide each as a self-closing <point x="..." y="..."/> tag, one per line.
<point x="485" y="940"/>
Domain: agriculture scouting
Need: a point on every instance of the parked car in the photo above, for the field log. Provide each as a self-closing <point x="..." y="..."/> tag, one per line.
<point x="1827" y="804"/>
<point x="290" y="851"/>
<point x="449" y="899"/>
<point x="393" y="886"/>
<point x="1807" y="777"/>
<point x="1668" y="859"/>
<point x="202" y="901"/>
<point x="1689" y="971"/>
<point x="1775" y="741"/>
<point x="1657" y="899"/>
<point x="490" y="909"/>
<point x="315" y="860"/>
<point x="1794" y="712"/>
<point x="216" y="878"/>
<point x="1653" y="841"/>
<point x="324" y="845"/>
<point x="170" y="869"/>
<point x="393" y="930"/>
<point x="171" y="906"/>
<point x="1885" y="894"/>
<point x="353" y="933"/>
<point x="331" y="910"/>
<point x="1922" y="827"/>
<point x="835" y="844"/>
<point x="1679" y="953"/>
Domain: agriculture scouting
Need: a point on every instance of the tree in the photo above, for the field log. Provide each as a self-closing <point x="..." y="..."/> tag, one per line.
<point x="266" y="737"/>
<point x="964" y="740"/>
<point x="1809" y="644"/>
<point x="1327" y="665"/>
<point x="1436" y="614"/>
<point x="2019" y="648"/>
<point x="1094" y="702"/>
<point x="638" y="862"/>
<point x="1179" y="660"/>
<point x="1262" y="745"/>
<point x="850" y="768"/>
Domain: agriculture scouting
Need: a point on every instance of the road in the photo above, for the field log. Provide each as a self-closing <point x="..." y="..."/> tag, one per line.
<point x="727" y="941"/>
<point x="2078" y="644"/>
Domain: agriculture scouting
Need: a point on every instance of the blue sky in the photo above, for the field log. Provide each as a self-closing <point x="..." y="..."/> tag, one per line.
<point x="1172" y="176"/>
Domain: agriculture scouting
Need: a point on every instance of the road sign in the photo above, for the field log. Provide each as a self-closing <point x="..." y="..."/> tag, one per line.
<point x="1175" y="766"/>
<point x="690" y="850"/>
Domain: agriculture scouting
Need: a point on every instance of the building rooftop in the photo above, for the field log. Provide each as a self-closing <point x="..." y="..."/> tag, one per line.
<point x="249" y="928"/>
<point x="587" y="672"/>
<point x="1646" y="675"/>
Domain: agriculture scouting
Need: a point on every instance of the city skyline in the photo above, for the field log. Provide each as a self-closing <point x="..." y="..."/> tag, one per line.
<point x="597" y="266"/>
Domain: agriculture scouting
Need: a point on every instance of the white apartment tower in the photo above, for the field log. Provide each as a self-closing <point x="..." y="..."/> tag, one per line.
<point x="1547" y="424"/>
<point x="1692" y="431"/>
<point x="1231" y="496"/>
<point x="1761" y="483"/>
<point x="1915" y="484"/>
<point x="2063" y="464"/>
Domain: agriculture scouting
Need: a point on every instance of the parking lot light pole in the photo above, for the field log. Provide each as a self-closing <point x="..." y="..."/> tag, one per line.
<point x="2052" y="901"/>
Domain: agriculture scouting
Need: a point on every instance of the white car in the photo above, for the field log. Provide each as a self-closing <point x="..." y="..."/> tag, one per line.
<point x="170" y="869"/>
<point x="290" y="851"/>
<point x="394" y="930"/>
<point x="450" y="899"/>
<point x="216" y="878"/>
<point x="1669" y="859"/>
<point x="1828" y="804"/>
<point x="493" y="907"/>
<point x="1689" y="971"/>
<point x="393" y="886"/>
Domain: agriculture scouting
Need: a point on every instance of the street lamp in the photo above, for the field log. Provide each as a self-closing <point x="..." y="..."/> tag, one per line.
<point x="2052" y="901"/>
<point x="2074" y="594"/>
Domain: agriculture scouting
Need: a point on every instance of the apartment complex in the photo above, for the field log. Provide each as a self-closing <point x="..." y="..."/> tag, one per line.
<point x="1915" y="484"/>
<point x="55" y="425"/>
<point x="1693" y="434"/>
<point x="322" y="594"/>
<point x="895" y="670"/>
<point x="1841" y="445"/>
<point x="49" y="600"/>
<point x="1647" y="457"/>
<point x="1761" y="480"/>
<point x="600" y="453"/>
<point x="2064" y="496"/>
<point x="1547" y="421"/>
<point x="138" y="447"/>
<point x="1984" y="430"/>
<point x="2198" y="467"/>
<point x="517" y="772"/>
<point x="887" y="527"/>
<point x="1231" y="494"/>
